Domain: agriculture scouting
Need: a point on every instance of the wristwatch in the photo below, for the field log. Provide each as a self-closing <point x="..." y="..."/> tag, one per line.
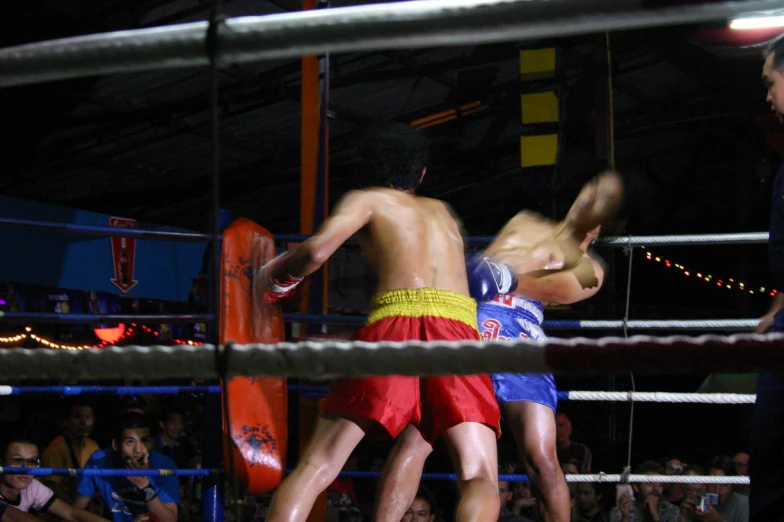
<point x="148" y="492"/>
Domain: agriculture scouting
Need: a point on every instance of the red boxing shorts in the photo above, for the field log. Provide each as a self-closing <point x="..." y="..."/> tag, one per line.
<point x="432" y="404"/>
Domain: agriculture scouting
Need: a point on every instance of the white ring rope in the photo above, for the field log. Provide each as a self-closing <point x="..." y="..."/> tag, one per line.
<point x="696" y="324"/>
<point x="693" y="239"/>
<point x="662" y="479"/>
<point x="684" y="398"/>
<point x="327" y="360"/>
<point x="384" y="26"/>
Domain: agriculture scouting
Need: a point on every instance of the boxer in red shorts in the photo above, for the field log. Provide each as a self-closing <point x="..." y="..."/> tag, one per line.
<point x="394" y="402"/>
<point x="416" y="247"/>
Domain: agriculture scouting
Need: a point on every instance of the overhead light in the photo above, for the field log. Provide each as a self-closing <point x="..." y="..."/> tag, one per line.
<point x="757" y="22"/>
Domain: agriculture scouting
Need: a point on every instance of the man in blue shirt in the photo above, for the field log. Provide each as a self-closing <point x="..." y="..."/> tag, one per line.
<point x="766" y="465"/>
<point x="129" y="497"/>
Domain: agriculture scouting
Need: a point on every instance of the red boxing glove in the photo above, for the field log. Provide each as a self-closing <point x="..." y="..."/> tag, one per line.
<point x="278" y="286"/>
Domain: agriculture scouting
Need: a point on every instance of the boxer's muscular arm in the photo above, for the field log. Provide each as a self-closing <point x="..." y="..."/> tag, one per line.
<point x="567" y="286"/>
<point x="351" y="214"/>
<point x="563" y="286"/>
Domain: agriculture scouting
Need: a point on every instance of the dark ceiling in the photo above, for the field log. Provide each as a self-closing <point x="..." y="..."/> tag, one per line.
<point x="138" y="145"/>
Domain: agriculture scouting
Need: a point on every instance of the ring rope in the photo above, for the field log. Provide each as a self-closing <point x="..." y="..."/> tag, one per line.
<point x="138" y="233"/>
<point x="644" y="354"/>
<point x="690" y="239"/>
<point x="92" y="230"/>
<point x="45" y="317"/>
<point x="739" y="238"/>
<point x="642" y="324"/>
<point x="595" y="477"/>
<point x="575" y="395"/>
<point x="681" y="398"/>
<point x="93" y="472"/>
<point x="118" y="390"/>
<point x="383" y="26"/>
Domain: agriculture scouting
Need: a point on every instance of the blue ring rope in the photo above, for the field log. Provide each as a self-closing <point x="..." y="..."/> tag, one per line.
<point x="108" y="390"/>
<point x="46" y="317"/>
<point x="308" y="390"/>
<point x="90" y="230"/>
<point x="93" y="472"/>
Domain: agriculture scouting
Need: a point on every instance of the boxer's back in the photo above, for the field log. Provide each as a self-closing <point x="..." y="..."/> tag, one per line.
<point x="413" y="242"/>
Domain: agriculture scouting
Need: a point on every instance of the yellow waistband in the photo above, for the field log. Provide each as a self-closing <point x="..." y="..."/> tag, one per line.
<point x="423" y="302"/>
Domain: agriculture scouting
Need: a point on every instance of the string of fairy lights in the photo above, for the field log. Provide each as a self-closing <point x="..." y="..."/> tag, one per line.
<point x="724" y="283"/>
<point x="48" y="343"/>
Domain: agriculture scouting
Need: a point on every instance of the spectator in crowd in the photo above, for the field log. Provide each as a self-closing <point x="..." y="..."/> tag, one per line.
<point x="733" y="507"/>
<point x="644" y="503"/>
<point x="70" y="450"/>
<point x="505" y="495"/>
<point x="131" y="496"/>
<point x="741" y="462"/>
<point x="673" y="492"/>
<point x="572" y="467"/>
<point x="423" y="508"/>
<point x="567" y="449"/>
<point x="589" y="503"/>
<point x="171" y="440"/>
<point x="26" y="494"/>
<point x="524" y="500"/>
<point x="690" y="492"/>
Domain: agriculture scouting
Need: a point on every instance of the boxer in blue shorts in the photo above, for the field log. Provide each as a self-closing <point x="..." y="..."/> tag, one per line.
<point x="509" y="317"/>
<point x="528" y="401"/>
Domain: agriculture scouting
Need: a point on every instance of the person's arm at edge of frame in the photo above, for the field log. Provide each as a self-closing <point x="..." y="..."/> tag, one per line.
<point x="767" y="320"/>
<point x="11" y="514"/>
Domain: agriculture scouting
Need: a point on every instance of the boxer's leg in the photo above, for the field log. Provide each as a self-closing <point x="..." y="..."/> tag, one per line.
<point x="474" y="455"/>
<point x="329" y="449"/>
<point x="400" y="479"/>
<point x="533" y="426"/>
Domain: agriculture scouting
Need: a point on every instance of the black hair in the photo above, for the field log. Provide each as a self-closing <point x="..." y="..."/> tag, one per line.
<point x="776" y="48"/>
<point x="130" y="421"/>
<point x="428" y="496"/>
<point x="72" y="405"/>
<point x="649" y="466"/>
<point x="169" y="411"/>
<point x="131" y="401"/>
<point x="15" y="439"/>
<point x="695" y="468"/>
<point x="394" y="155"/>
<point x="724" y="463"/>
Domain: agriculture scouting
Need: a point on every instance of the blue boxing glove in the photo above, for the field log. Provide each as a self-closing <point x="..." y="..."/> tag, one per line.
<point x="487" y="278"/>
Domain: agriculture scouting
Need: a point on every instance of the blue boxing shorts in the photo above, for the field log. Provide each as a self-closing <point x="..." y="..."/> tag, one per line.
<point x="510" y="317"/>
